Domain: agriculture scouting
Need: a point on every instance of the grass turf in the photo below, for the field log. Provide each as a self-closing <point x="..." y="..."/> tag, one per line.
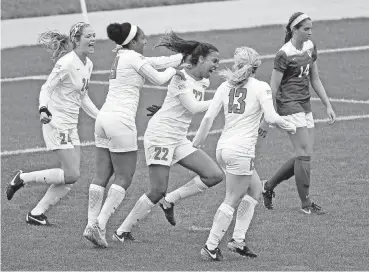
<point x="284" y="238"/>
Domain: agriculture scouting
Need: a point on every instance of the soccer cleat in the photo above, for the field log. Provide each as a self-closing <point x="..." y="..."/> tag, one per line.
<point x="240" y="248"/>
<point x="96" y="235"/>
<point x="212" y="255"/>
<point x="14" y="185"/>
<point x="88" y="233"/>
<point x="169" y="213"/>
<point x="37" y="220"/>
<point x="313" y="208"/>
<point x="122" y="237"/>
<point x="268" y="197"/>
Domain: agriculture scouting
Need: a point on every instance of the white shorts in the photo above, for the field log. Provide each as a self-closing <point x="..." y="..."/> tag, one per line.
<point x="113" y="134"/>
<point x="301" y="119"/>
<point x="236" y="162"/>
<point x="58" y="138"/>
<point x="167" y="155"/>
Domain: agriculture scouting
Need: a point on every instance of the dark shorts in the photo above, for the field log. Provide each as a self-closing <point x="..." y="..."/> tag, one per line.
<point x="292" y="107"/>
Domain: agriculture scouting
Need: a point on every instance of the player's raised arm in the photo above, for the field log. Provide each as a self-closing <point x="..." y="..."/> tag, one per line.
<point x="158" y="78"/>
<point x="165" y="61"/>
<point x="185" y="96"/>
<point x="212" y="112"/>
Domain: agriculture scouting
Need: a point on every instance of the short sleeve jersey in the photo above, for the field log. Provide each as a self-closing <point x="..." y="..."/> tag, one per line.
<point x="65" y="99"/>
<point x="242" y="113"/>
<point x="293" y="94"/>
<point x="170" y="124"/>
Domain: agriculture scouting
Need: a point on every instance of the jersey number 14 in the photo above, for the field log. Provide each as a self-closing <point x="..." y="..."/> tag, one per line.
<point x="304" y="71"/>
<point x="237" y="106"/>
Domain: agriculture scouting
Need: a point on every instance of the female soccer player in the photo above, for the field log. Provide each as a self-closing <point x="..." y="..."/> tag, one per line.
<point x="165" y="139"/>
<point x="295" y="66"/>
<point x="244" y="99"/>
<point x="115" y="128"/>
<point x="61" y="97"/>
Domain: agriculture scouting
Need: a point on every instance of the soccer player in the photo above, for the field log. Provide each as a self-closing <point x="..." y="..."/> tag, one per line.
<point x="165" y="139"/>
<point x="295" y="66"/>
<point x="115" y="127"/>
<point x="61" y="97"/>
<point x="244" y="99"/>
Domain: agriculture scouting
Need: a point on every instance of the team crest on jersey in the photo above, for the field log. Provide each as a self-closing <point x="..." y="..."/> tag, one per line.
<point x="181" y="86"/>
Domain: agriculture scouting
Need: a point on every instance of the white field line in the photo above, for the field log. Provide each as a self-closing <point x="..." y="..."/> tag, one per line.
<point x="191" y="133"/>
<point x="339" y="100"/>
<point x="102" y="72"/>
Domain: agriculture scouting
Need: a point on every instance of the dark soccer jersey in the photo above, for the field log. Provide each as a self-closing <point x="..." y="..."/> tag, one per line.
<point x="293" y="94"/>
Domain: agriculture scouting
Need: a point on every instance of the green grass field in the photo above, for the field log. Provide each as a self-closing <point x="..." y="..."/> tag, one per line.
<point x="11" y="9"/>
<point x="284" y="238"/>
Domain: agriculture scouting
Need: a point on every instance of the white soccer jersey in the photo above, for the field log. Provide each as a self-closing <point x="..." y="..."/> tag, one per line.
<point x="242" y="111"/>
<point x="170" y="124"/>
<point x="65" y="89"/>
<point x="125" y="82"/>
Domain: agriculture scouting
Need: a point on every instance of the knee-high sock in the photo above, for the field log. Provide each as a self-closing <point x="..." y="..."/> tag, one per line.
<point x="139" y="212"/>
<point x="191" y="188"/>
<point x="222" y="220"/>
<point x="95" y="199"/>
<point x="48" y="176"/>
<point x="245" y="213"/>
<point x="52" y="196"/>
<point x="284" y="173"/>
<point x="302" y="176"/>
<point x="115" y="196"/>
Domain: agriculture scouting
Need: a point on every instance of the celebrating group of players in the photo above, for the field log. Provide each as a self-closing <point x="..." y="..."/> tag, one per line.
<point x="250" y="107"/>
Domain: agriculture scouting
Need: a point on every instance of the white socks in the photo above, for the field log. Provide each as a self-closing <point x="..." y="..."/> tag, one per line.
<point x="48" y="176"/>
<point x="95" y="199"/>
<point x="245" y="212"/>
<point x="52" y="196"/>
<point x="115" y="196"/>
<point x="191" y="188"/>
<point x="139" y="212"/>
<point x="222" y="220"/>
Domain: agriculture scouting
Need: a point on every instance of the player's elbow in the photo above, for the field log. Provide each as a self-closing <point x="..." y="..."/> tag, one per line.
<point x="271" y="118"/>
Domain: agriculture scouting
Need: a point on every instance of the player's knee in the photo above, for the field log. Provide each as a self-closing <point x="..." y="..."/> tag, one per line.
<point x="155" y="194"/>
<point x="71" y="175"/>
<point x="213" y="177"/>
<point x="123" y="180"/>
<point x="302" y="150"/>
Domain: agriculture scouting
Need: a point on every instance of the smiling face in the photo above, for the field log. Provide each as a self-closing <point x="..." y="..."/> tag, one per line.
<point x="86" y="42"/>
<point x="304" y="32"/>
<point x="209" y="64"/>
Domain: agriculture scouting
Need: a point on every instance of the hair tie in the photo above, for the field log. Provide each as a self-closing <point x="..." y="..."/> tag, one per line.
<point x="298" y="20"/>
<point x="131" y="35"/>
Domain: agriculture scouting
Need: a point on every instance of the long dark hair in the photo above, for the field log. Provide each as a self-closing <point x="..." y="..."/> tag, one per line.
<point x="288" y="26"/>
<point x="194" y="49"/>
<point x="119" y="33"/>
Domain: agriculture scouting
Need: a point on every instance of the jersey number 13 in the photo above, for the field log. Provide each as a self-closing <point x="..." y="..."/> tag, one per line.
<point x="237" y="102"/>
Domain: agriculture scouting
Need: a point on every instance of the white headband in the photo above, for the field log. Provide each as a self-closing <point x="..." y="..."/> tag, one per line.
<point x="298" y="20"/>
<point x="131" y="35"/>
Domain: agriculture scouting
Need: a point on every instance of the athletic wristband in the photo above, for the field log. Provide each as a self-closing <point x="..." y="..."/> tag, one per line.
<point x="45" y="110"/>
